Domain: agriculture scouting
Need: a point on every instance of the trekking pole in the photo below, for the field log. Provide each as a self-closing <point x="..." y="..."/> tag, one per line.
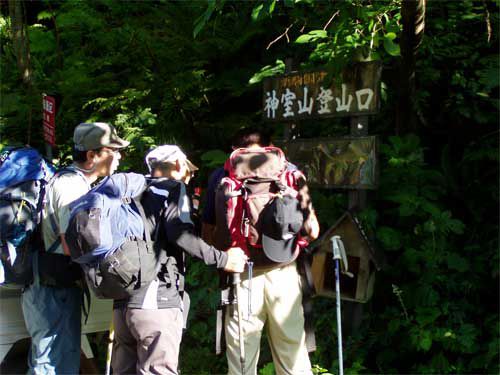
<point x="109" y="354"/>
<point x="250" y="276"/>
<point x="336" y="258"/>
<point x="236" y="285"/>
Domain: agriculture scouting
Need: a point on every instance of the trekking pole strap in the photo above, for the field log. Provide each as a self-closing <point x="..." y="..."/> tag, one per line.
<point x="339" y="253"/>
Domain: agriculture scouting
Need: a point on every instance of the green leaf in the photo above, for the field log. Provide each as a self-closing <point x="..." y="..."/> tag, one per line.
<point x="425" y="295"/>
<point x="456" y="226"/>
<point x="311" y="36"/>
<point x="392" y="26"/>
<point x="41" y="41"/>
<point x="390" y="36"/>
<point x="466" y="335"/>
<point x="411" y="260"/>
<point x="391" y="48"/>
<point x="44" y="15"/>
<point x="201" y="21"/>
<point x="268" y="369"/>
<point x="407" y="208"/>
<point x="456" y="262"/>
<point x="427" y="315"/>
<point x="425" y="341"/>
<point x="272" y="5"/>
<point x="268" y="71"/>
<point x="256" y="12"/>
<point x="391" y="239"/>
<point x="214" y="158"/>
<point x="394" y="325"/>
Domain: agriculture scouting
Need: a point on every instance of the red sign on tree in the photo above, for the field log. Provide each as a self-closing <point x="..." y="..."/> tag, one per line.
<point x="49" y="120"/>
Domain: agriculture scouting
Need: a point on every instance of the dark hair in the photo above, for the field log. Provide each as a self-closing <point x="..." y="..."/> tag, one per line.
<point x="165" y="167"/>
<point x="249" y="136"/>
<point x="79" y="156"/>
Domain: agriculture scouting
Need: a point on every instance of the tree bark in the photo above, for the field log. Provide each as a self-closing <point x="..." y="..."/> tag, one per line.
<point x="20" y="43"/>
<point x="413" y="20"/>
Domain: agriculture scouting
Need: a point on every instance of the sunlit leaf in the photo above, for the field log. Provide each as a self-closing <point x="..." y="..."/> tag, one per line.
<point x="391" y="48"/>
<point x="312" y="36"/>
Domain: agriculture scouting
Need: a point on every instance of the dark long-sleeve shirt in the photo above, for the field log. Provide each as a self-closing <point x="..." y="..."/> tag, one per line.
<point x="179" y="227"/>
<point x="168" y="211"/>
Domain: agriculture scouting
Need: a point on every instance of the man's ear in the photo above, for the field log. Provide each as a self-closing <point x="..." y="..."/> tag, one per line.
<point x="178" y="165"/>
<point x="91" y="154"/>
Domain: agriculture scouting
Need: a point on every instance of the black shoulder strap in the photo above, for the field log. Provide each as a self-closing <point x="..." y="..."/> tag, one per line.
<point x="140" y="208"/>
<point x="54" y="245"/>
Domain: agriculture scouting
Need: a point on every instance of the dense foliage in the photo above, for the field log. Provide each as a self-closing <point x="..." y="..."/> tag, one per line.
<point x="190" y="73"/>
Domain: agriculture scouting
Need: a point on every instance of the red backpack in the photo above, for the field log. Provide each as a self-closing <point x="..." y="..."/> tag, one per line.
<point x="254" y="178"/>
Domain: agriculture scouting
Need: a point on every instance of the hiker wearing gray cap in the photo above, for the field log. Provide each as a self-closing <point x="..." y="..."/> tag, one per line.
<point x="52" y="304"/>
<point x="148" y="326"/>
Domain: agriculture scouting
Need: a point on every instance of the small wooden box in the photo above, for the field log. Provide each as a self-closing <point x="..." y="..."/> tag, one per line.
<point x="361" y="259"/>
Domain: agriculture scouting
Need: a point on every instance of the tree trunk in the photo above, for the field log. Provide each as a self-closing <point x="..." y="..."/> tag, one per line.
<point x="20" y="43"/>
<point x="413" y="20"/>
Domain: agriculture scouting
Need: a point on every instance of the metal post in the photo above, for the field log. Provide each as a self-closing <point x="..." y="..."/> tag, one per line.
<point x="48" y="152"/>
<point x="359" y="128"/>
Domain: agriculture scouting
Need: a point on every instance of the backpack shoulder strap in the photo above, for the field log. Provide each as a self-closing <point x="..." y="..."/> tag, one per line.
<point x="140" y="208"/>
<point x="291" y="177"/>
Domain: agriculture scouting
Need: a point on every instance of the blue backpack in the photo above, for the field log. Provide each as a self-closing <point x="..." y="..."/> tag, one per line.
<point x="24" y="175"/>
<point x="109" y="237"/>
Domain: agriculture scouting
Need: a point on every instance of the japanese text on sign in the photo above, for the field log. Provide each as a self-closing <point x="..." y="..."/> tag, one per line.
<point x="49" y="119"/>
<point x="304" y="95"/>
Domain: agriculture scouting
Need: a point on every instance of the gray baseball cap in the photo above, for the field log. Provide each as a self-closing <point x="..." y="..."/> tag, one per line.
<point x="281" y="221"/>
<point x="94" y="135"/>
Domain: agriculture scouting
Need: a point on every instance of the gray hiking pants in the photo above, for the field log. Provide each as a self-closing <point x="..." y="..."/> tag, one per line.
<point x="146" y="341"/>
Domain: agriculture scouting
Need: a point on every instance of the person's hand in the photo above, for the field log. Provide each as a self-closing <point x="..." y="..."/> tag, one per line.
<point x="236" y="260"/>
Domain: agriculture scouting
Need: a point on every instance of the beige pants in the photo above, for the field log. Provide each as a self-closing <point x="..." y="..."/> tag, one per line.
<point x="276" y="302"/>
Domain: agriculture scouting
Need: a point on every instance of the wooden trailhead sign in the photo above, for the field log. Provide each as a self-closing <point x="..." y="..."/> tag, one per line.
<point x="348" y="162"/>
<point x="303" y="95"/>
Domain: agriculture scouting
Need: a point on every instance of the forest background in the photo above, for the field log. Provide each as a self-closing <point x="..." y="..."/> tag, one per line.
<point x="190" y="72"/>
